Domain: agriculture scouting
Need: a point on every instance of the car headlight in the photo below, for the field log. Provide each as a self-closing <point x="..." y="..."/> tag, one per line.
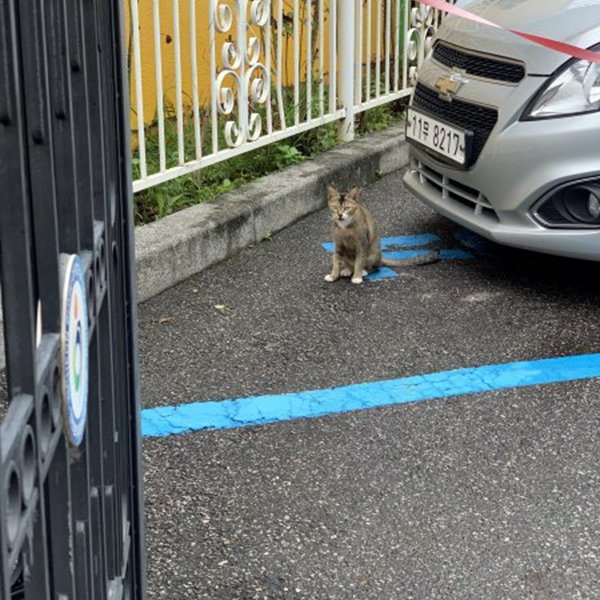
<point x="573" y="90"/>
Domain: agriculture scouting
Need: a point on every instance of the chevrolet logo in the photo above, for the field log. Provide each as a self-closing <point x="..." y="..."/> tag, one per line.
<point x="449" y="85"/>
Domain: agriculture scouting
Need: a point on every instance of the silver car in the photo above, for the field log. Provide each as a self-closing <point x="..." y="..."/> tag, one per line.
<point x="505" y="134"/>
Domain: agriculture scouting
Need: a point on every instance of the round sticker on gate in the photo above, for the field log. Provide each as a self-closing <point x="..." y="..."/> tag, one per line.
<point x="75" y="350"/>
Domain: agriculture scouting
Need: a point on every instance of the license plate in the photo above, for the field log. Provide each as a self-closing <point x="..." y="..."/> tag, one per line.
<point x="444" y="139"/>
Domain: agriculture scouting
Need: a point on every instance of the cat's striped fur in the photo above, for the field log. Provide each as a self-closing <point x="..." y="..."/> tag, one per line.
<point x="357" y="249"/>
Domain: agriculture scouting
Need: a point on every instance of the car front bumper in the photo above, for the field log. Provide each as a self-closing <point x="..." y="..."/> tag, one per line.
<point x="521" y="162"/>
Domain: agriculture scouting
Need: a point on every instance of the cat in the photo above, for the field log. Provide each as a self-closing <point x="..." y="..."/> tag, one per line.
<point x="357" y="251"/>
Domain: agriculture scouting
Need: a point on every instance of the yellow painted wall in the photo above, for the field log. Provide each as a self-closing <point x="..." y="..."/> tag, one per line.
<point x="167" y="47"/>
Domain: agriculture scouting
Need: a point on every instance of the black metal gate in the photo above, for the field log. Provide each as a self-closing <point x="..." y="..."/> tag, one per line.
<point x="71" y="524"/>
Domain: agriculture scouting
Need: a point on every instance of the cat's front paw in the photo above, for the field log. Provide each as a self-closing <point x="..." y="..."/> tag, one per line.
<point x="329" y="277"/>
<point x="357" y="280"/>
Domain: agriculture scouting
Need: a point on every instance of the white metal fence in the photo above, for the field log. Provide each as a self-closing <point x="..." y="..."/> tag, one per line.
<point x="246" y="73"/>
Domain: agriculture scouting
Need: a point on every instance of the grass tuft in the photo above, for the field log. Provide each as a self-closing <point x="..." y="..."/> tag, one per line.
<point x="208" y="183"/>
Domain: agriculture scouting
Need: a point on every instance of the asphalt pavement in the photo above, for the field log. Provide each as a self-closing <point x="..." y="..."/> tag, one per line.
<point x="493" y="495"/>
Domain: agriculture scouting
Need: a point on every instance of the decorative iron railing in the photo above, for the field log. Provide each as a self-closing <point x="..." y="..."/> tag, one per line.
<point x="229" y="76"/>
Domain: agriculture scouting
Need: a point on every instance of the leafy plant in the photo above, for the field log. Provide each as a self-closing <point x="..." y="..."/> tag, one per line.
<point x="208" y="183"/>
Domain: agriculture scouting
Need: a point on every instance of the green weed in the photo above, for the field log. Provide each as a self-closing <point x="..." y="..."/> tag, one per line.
<point x="208" y="183"/>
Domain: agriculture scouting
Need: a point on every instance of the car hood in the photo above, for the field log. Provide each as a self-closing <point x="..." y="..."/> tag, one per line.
<point x="575" y="22"/>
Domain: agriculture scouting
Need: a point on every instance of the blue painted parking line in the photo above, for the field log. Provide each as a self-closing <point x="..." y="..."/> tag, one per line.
<point x="472" y="240"/>
<point x="409" y="241"/>
<point x="445" y="254"/>
<point x="419" y="239"/>
<point x="404" y="254"/>
<point x="261" y="410"/>
<point x="381" y="273"/>
<point x="455" y="254"/>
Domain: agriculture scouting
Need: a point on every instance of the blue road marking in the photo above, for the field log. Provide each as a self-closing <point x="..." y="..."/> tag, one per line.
<point x="472" y="240"/>
<point x="445" y="254"/>
<point x="421" y="239"/>
<point x="402" y="254"/>
<point x="455" y="254"/>
<point x="381" y="273"/>
<point x="261" y="410"/>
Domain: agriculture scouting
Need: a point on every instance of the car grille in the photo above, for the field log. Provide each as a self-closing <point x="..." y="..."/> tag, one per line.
<point x="480" y="66"/>
<point x="452" y="191"/>
<point x="466" y="115"/>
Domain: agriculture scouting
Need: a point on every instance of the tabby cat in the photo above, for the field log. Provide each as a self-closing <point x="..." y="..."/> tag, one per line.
<point x="357" y="251"/>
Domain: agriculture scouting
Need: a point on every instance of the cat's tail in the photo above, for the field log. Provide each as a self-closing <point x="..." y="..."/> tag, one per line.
<point x="423" y="259"/>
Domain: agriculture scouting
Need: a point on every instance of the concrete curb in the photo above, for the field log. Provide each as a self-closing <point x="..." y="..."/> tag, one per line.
<point x="180" y="245"/>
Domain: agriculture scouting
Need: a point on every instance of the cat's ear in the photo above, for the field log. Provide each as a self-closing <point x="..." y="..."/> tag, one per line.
<point x="353" y="193"/>
<point x="332" y="194"/>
